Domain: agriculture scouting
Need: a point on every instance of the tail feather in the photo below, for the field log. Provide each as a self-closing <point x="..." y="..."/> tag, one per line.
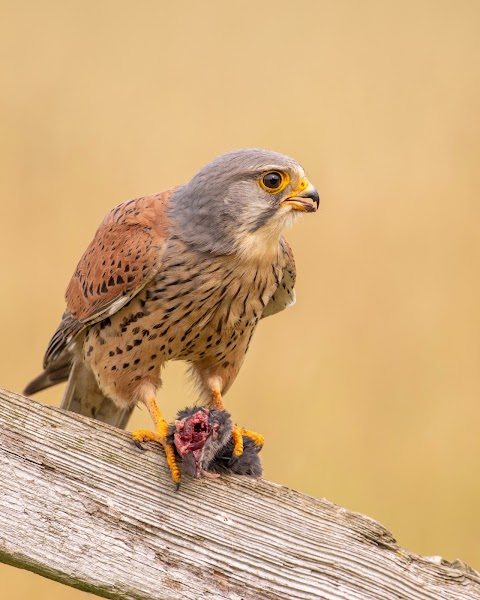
<point x="84" y="397"/>
<point x="51" y="376"/>
<point x="82" y="394"/>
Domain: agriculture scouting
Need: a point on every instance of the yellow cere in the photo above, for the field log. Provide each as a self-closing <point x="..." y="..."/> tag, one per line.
<point x="304" y="183"/>
<point x="302" y="186"/>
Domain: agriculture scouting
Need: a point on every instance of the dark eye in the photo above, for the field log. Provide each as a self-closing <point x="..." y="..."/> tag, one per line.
<point x="272" y="180"/>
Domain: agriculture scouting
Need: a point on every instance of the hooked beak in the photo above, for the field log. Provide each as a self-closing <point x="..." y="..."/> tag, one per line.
<point x="305" y="199"/>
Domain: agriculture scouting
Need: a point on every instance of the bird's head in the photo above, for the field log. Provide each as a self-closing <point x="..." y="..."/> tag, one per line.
<point x="241" y="201"/>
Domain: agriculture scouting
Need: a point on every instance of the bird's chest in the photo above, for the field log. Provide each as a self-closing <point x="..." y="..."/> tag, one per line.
<point x="190" y="311"/>
<point x="202" y="311"/>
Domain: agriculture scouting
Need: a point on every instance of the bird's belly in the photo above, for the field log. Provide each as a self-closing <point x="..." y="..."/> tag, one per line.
<point x="149" y="329"/>
<point x="203" y="333"/>
<point x="211" y="342"/>
<point x="163" y="322"/>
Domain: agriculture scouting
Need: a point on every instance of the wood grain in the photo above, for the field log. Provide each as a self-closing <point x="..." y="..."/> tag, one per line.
<point x="79" y="503"/>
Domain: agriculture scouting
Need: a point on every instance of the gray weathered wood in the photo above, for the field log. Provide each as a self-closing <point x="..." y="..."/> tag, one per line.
<point x="79" y="503"/>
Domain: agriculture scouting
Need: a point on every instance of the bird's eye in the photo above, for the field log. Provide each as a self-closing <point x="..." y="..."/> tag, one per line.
<point x="274" y="181"/>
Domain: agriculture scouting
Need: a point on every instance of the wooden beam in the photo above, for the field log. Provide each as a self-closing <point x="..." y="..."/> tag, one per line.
<point x="80" y="504"/>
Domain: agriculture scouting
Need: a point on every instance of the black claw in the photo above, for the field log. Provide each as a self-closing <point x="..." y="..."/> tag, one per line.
<point x="139" y="445"/>
<point x="232" y="460"/>
<point x="177" y="486"/>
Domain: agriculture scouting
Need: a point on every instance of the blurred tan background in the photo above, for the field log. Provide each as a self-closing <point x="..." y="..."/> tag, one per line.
<point x="379" y="100"/>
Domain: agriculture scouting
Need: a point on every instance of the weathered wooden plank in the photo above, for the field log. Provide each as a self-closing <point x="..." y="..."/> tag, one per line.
<point x="79" y="503"/>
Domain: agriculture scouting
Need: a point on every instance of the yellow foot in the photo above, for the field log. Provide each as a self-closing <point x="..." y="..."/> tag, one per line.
<point x="257" y="438"/>
<point x="237" y="435"/>
<point x="237" y="441"/>
<point x="144" y="435"/>
<point x="237" y="432"/>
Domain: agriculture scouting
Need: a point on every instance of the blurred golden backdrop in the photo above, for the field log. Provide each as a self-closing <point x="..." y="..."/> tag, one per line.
<point x="377" y="365"/>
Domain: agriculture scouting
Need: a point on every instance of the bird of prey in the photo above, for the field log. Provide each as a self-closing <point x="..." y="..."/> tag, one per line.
<point x="185" y="274"/>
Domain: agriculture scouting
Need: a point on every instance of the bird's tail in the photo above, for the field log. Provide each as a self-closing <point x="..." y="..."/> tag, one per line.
<point x="82" y="394"/>
<point x="51" y="376"/>
<point x="84" y="397"/>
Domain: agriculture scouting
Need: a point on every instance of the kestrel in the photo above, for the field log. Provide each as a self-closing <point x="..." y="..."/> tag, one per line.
<point x="182" y="275"/>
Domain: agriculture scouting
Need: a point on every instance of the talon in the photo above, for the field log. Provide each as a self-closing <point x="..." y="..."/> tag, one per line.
<point x="237" y="441"/>
<point x="257" y="438"/>
<point x="237" y="432"/>
<point x="145" y="435"/>
<point x="237" y="435"/>
<point x="159" y="436"/>
<point x="232" y="460"/>
<point x="172" y="463"/>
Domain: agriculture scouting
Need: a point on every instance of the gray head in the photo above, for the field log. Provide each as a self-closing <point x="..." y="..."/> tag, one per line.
<point x="240" y="200"/>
